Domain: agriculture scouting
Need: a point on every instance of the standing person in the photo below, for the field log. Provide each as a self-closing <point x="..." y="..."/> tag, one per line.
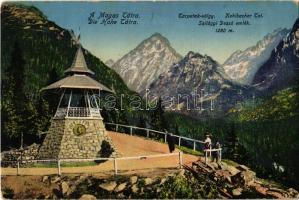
<point x="208" y="142"/>
<point x="214" y="153"/>
<point x="170" y="141"/>
<point x="218" y="146"/>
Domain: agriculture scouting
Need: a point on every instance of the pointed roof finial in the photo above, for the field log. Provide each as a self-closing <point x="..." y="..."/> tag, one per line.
<point x="79" y="63"/>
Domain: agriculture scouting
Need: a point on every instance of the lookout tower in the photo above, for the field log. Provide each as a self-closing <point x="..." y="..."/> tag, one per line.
<point x="77" y="129"/>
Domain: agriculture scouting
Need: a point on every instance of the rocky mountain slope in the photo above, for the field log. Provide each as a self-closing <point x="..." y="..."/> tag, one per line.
<point x="282" y="68"/>
<point x="199" y="181"/>
<point x="197" y="76"/>
<point x="241" y="66"/>
<point x="146" y="62"/>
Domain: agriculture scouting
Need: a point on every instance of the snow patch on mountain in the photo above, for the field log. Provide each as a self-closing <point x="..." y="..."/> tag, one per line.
<point x="242" y="66"/>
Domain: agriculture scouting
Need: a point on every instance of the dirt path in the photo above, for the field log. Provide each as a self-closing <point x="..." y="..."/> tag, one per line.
<point x="128" y="146"/>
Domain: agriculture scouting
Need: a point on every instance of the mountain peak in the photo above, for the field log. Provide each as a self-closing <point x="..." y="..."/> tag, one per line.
<point x="281" y="69"/>
<point x="152" y="57"/>
<point x="241" y="66"/>
<point x="22" y="13"/>
<point x="190" y="54"/>
<point x="157" y="35"/>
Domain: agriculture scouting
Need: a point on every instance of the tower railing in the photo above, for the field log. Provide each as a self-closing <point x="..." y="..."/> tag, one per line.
<point x="80" y="112"/>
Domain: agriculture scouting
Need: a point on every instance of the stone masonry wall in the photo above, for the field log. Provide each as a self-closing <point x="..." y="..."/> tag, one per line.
<point x="61" y="142"/>
<point x="51" y="145"/>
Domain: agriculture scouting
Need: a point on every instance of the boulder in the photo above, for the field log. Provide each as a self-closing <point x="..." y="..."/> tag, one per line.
<point x="276" y="195"/>
<point x="45" y="179"/>
<point x="110" y="186"/>
<point x="120" y="187"/>
<point x="133" y="179"/>
<point x="243" y="178"/>
<point x="134" y="188"/>
<point x="181" y="172"/>
<point x="223" y="166"/>
<point x="158" y="190"/>
<point x="237" y="192"/>
<point x="232" y="170"/>
<point x="214" y="165"/>
<point x="55" y="179"/>
<point x="293" y="193"/>
<point x="162" y="181"/>
<point x="259" y="189"/>
<point x="148" y="181"/>
<point x="210" y="166"/>
<point x="228" y="179"/>
<point x="64" y="187"/>
<point x="243" y="168"/>
<point x="87" y="197"/>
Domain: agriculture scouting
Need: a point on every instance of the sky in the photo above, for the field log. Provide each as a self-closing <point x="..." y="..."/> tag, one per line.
<point x="114" y="41"/>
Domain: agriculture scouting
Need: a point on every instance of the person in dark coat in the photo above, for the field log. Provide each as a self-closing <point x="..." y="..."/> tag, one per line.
<point x="216" y="154"/>
<point x="170" y="142"/>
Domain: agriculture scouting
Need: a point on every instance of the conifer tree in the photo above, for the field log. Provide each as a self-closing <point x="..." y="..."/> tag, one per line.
<point x="13" y="98"/>
<point x="52" y="98"/>
<point x="235" y="150"/>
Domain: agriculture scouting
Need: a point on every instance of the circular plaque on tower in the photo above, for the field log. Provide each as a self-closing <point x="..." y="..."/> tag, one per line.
<point x="79" y="129"/>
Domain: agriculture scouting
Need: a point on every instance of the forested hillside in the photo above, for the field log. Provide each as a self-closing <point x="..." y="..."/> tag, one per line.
<point x="268" y="128"/>
<point x="35" y="52"/>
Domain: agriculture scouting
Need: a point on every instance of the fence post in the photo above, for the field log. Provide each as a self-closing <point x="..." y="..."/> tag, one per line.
<point x="179" y="141"/>
<point x="147" y="133"/>
<point x="165" y="138"/>
<point x="194" y="147"/>
<point x="18" y="168"/>
<point x="116" y="128"/>
<point x="131" y="131"/>
<point x="181" y="159"/>
<point x="115" y="166"/>
<point x="220" y="154"/>
<point x="59" y="170"/>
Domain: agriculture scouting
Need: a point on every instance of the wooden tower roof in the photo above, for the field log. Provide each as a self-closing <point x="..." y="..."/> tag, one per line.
<point x="79" y="64"/>
<point x="78" y="76"/>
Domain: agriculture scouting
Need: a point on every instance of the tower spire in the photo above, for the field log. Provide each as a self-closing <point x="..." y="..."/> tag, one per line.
<point x="79" y="64"/>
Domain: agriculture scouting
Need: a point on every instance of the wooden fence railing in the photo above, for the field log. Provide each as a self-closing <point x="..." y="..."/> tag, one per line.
<point x="148" y="131"/>
<point x="115" y="161"/>
<point x="164" y="134"/>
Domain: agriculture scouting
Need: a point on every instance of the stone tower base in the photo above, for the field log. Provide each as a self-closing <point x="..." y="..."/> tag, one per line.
<point x="76" y="138"/>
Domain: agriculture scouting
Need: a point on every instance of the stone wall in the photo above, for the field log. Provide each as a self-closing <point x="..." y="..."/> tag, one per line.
<point x="63" y="142"/>
<point x="24" y="155"/>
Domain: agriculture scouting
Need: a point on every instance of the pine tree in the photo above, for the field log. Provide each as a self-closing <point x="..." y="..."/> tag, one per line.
<point x="43" y="115"/>
<point x="13" y="98"/>
<point x="231" y="141"/>
<point x="51" y="97"/>
<point x="235" y="150"/>
<point x="176" y="129"/>
<point x="19" y="113"/>
<point x="142" y="121"/>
